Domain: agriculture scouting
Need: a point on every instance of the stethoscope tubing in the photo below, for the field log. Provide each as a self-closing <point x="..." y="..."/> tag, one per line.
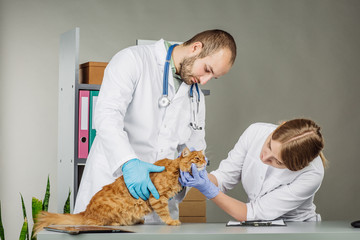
<point x="164" y="101"/>
<point x="166" y="70"/>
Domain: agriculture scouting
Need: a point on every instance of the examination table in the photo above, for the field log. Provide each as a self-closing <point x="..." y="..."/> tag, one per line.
<point x="327" y="230"/>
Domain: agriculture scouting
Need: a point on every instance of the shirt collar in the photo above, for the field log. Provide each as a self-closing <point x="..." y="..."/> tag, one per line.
<point x="172" y="64"/>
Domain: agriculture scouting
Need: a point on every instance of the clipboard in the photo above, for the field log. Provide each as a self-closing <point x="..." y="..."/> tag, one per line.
<point x="77" y="229"/>
<point x="257" y="223"/>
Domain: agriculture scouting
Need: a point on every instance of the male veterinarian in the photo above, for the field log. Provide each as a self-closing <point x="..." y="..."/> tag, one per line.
<point x="145" y="112"/>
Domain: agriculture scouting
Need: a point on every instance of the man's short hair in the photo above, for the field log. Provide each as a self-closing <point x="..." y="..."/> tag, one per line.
<point x="213" y="41"/>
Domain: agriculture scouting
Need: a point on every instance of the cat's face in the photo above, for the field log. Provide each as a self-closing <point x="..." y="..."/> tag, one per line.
<point x="187" y="158"/>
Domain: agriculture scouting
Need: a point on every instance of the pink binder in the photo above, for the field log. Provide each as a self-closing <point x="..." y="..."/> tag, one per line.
<point x="83" y="140"/>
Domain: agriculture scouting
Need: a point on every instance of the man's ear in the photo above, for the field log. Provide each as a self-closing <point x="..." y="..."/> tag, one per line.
<point x="196" y="47"/>
<point x="185" y="152"/>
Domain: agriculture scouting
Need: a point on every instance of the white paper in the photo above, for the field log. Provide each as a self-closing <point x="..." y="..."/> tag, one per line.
<point x="279" y="222"/>
<point x="84" y="113"/>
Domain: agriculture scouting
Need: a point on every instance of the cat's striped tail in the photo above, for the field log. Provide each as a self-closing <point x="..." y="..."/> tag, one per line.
<point x="44" y="219"/>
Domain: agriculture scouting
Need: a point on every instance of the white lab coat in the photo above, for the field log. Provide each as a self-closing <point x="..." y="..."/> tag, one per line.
<point x="272" y="193"/>
<point x="130" y="124"/>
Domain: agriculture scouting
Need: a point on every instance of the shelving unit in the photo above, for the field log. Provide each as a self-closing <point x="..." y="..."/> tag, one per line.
<point x="69" y="165"/>
<point x="68" y="77"/>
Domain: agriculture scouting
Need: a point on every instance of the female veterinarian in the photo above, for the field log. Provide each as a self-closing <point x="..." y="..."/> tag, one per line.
<point x="280" y="167"/>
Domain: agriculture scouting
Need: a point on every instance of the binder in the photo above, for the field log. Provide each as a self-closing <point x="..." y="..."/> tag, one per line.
<point x="92" y="132"/>
<point x="83" y="138"/>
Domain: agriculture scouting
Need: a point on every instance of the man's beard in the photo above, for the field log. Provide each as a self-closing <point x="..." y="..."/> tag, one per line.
<point x="185" y="69"/>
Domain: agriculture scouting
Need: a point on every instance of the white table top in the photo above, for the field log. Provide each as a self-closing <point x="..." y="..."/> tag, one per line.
<point x="294" y="230"/>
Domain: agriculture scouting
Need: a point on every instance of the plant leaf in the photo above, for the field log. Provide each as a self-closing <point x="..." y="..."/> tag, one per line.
<point x="67" y="203"/>
<point x="2" y="232"/>
<point x="24" y="230"/>
<point x="45" y="205"/>
<point x="36" y="208"/>
<point x="25" y="218"/>
<point x="23" y="206"/>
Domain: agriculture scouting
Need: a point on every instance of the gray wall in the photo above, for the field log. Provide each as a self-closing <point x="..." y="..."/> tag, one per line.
<point x="295" y="59"/>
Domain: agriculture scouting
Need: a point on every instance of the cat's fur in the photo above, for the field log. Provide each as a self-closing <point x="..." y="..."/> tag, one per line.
<point x="114" y="205"/>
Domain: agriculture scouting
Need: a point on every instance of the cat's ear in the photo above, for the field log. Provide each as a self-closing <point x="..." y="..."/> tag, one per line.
<point x="185" y="152"/>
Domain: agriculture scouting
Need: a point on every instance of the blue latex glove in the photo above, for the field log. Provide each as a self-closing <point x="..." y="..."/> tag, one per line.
<point x="200" y="181"/>
<point x="137" y="178"/>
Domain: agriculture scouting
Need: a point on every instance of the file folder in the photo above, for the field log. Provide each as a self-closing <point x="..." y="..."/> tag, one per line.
<point x="83" y="141"/>
<point x="92" y="132"/>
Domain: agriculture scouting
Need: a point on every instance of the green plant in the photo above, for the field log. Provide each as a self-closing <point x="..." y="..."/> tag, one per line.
<point x="37" y="206"/>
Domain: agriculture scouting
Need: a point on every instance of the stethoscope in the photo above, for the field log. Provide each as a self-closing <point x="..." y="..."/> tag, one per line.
<point x="164" y="100"/>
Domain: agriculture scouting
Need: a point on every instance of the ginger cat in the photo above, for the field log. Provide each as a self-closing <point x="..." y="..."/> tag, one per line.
<point x="114" y="205"/>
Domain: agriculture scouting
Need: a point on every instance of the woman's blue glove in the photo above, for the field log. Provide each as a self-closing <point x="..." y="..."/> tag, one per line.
<point x="200" y="181"/>
<point x="137" y="178"/>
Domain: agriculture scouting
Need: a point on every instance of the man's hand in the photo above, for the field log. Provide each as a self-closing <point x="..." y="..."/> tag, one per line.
<point x="137" y="178"/>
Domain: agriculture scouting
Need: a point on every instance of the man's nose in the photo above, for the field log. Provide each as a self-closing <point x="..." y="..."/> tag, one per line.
<point x="205" y="79"/>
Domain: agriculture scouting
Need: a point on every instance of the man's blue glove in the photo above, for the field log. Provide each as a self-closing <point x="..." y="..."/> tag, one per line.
<point x="200" y="181"/>
<point x="137" y="178"/>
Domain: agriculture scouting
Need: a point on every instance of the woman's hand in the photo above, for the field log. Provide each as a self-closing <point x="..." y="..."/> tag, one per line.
<point x="200" y="181"/>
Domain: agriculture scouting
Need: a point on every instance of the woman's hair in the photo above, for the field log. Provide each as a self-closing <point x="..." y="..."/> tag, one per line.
<point x="213" y="41"/>
<point x="301" y="142"/>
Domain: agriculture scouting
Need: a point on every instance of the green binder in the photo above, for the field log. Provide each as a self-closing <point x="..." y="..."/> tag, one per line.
<point x="92" y="133"/>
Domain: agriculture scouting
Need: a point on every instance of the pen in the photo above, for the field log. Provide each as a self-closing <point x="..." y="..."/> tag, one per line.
<point x="256" y="223"/>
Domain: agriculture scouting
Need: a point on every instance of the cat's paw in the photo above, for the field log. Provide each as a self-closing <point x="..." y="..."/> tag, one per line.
<point x="173" y="223"/>
<point x="141" y="221"/>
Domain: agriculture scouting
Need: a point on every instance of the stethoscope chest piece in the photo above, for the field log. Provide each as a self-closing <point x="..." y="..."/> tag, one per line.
<point x="164" y="101"/>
